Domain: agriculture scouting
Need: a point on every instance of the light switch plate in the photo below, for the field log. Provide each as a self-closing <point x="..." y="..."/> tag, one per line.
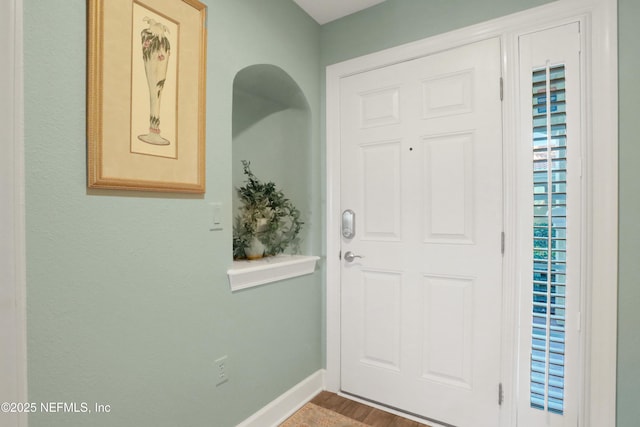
<point x="216" y="216"/>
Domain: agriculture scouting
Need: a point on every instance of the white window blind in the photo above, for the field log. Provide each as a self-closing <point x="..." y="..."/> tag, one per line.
<point x="548" y="328"/>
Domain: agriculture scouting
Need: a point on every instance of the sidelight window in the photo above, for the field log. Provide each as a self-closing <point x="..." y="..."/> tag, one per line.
<point x="549" y="234"/>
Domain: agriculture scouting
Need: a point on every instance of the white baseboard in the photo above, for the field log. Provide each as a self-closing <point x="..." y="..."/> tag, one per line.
<point x="284" y="406"/>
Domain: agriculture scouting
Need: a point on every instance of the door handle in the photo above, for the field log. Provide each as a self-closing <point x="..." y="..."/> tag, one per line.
<point x="350" y="256"/>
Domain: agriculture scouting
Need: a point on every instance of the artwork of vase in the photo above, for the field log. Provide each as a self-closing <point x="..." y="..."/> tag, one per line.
<point x="156" y="50"/>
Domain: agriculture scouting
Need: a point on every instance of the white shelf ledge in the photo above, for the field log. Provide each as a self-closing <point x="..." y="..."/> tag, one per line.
<point x="246" y="274"/>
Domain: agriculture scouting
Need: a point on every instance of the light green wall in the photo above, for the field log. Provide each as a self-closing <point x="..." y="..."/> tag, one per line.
<point x="628" y="409"/>
<point x="128" y="300"/>
<point x="401" y="21"/>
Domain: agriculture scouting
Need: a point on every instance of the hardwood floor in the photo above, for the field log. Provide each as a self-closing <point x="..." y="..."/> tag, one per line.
<point x="360" y="412"/>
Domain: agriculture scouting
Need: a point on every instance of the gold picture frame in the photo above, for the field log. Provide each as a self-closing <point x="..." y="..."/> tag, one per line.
<point x="146" y="95"/>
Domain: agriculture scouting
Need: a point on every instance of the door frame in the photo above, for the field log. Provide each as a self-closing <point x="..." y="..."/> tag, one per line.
<point x="13" y="372"/>
<point x="599" y="23"/>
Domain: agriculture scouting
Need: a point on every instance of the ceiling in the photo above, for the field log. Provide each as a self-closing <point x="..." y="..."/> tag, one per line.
<point x="324" y="11"/>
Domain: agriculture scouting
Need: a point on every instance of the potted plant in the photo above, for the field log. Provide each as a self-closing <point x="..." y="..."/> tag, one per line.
<point x="267" y="223"/>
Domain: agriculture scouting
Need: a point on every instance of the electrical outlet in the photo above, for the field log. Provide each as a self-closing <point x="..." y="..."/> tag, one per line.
<point x="221" y="371"/>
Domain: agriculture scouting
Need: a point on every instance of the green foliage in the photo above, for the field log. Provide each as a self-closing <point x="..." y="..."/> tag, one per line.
<point x="265" y="214"/>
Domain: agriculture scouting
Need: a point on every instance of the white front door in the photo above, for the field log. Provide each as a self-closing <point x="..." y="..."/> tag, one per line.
<point x="421" y="156"/>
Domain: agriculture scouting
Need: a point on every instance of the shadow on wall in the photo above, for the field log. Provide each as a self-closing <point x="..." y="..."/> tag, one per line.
<point x="271" y="128"/>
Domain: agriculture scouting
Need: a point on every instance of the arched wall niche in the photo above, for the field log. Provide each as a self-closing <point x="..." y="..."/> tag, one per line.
<point x="271" y="128"/>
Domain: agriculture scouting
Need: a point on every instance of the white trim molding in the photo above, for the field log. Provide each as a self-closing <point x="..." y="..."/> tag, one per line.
<point x="599" y="17"/>
<point x="13" y="361"/>
<point x="249" y="273"/>
<point x="288" y="403"/>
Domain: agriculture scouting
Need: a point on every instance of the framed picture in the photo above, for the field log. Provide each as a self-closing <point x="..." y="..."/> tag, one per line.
<point x="146" y="95"/>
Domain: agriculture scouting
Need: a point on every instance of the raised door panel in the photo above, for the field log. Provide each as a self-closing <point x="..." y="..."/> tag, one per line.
<point x="381" y="190"/>
<point x="448" y="188"/>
